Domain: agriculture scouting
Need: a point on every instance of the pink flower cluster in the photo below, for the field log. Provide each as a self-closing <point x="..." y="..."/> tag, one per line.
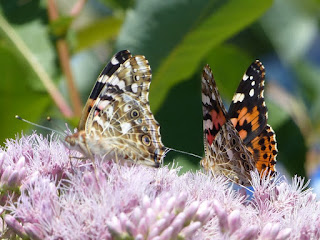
<point x="47" y="194"/>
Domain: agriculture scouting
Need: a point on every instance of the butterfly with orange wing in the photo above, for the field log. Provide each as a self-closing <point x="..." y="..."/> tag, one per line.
<point x="240" y="140"/>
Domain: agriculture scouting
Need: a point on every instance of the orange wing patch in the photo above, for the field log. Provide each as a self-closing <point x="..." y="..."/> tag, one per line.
<point x="250" y="117"/>
<point x="218" y="119"/>
<point x="264" y="150"/>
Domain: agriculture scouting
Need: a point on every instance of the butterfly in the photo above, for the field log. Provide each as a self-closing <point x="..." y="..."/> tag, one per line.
<point x="116" y="120"/>
<point x="240" y="140"/>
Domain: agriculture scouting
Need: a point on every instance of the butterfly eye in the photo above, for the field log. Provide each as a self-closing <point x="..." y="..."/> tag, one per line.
<point x="134" y="113"/>
<point x="146" y="140"/>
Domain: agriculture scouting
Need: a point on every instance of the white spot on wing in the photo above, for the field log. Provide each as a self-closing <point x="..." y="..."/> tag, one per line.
<point x="251" y="77"/>
<point x="115" y="80"/>
<point x="245" y="77"/>
<point x="127" y="64"/>
<point x="134" y="87"/>
<point x="127" y="98"/>
<point x="103" y="104"/>
<point x="114" y="61"/>
<point x="253" y="83"/>
<point x="205" y="99"/>
<point x="207" y="124"/>
<point x="127" y="107"/>
<point x="238" y="97"/>
<point x="251" y="93"/>
<point x="125" y="127"/>
<point x="121" y="84"/>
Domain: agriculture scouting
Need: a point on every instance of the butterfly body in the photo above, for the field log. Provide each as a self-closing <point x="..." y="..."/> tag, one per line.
<point x="117" y="121"/>
<point x="240" y="140"/>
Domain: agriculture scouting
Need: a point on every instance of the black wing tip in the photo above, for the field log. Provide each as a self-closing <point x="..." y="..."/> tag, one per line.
<point x="258" y="67"/>
<point x="114" y="63"/>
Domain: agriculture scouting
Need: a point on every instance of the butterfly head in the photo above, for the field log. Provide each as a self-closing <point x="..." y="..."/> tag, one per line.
<point x="77" y="141"/>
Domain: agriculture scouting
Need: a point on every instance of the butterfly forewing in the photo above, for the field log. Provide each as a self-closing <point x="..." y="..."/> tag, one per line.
<point x="118" y="59"/>
<point x="248" y="110"/>
<point x="214" y="113"/>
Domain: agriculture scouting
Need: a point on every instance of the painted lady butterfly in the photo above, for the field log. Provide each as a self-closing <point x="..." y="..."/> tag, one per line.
<point x="116" y="120"/>
<point x="240" y="140"/>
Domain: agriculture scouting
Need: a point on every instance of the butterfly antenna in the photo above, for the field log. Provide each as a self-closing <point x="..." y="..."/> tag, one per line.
<point x="183" y="152"/>
<point x="53" y="122"/>
<point x="39" y="126"/>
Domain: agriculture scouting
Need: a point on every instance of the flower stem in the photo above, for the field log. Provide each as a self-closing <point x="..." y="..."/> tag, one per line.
<point x="64" y="58"/>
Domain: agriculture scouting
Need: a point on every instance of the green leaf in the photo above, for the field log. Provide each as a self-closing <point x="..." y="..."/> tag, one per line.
<point x="122" y="4"/>
<point x="30" y="30"/>
<point x="18" y="97"/>
<point x="228" y="64"/>
<point x="276" y="115"/>
<point x="308" y="77"/>
<point x="175" y="36"/>
<point x="60" y="26"/>
<point x="292" y="148"/>
<point x="97" y="32"/>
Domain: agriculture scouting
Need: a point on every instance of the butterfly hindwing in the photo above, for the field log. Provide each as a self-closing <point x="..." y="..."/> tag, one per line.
<point x="264" y="150"/>
<point x="248" y="110"/>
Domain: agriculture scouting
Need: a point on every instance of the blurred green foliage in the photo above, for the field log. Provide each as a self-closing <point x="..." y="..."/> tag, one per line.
<point x="178" y="37"/>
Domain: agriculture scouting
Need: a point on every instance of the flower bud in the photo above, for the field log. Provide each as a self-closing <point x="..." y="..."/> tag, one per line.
<point x="234" y="221"/>
<point x="190" y="230"/>
<point x="15" y="226"/>
<point x="33" y="231"/>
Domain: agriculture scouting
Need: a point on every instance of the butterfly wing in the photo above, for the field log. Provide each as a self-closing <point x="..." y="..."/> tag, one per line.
<point x="264" y="150"/>
<point x="225" y="152"/>
<point x="248" y="111"/>
<point x="121" y="117"/>
<point x="118" y="59"/>
<point x="214" y="112"/>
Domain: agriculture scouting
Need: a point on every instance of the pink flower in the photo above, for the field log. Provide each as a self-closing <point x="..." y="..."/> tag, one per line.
<point x="47" y="194"/>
